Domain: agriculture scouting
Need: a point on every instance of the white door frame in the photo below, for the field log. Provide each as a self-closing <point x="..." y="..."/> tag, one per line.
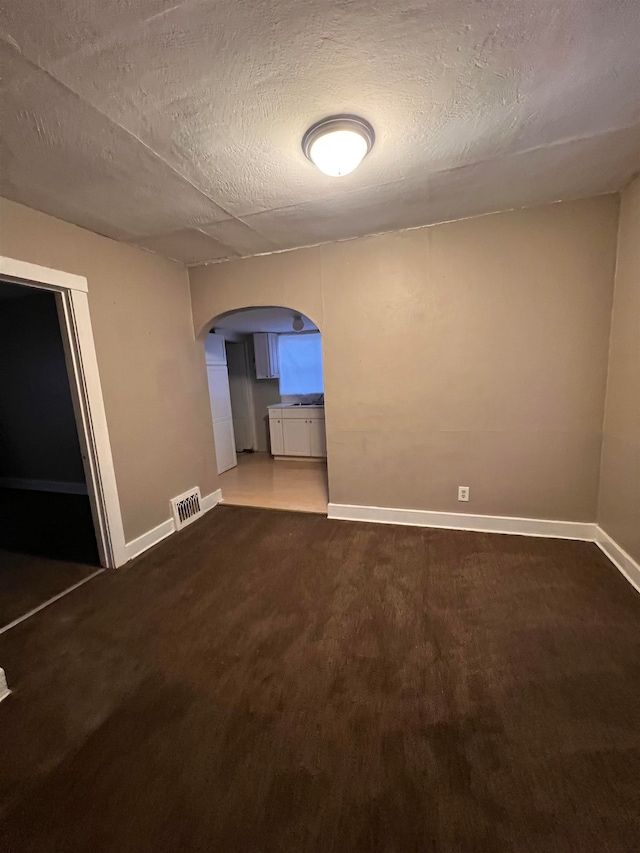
<point x="84" y="378"/>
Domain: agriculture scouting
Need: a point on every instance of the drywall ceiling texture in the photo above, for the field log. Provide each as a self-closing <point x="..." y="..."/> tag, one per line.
<point x="619" y="505"/>
<point x="473" y="353"/>
<point x="177" y="125"/>
<point x="152" y="371"/>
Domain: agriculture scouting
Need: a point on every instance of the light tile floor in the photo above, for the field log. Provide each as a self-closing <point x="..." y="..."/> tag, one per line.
<point x="258" y="480"/>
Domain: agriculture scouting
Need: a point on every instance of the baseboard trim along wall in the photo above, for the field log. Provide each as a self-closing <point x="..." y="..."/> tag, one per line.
<point x="462" y="521"/>
<point x="546" y="528"/>
<point x="621" y="560"/>
<point x="209" y="501"/>
<point x="4" y="690"/>
<point x="157" y="534"/>
<point x="149" y="539"/>
<point x="582" y="531"/>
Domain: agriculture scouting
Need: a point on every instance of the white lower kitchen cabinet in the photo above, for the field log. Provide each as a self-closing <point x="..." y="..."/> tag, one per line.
<point x="297" y="431"/>
<point x="277" y="436"/>
<point x="317" y="437"/>
<point x="297" y="439"/>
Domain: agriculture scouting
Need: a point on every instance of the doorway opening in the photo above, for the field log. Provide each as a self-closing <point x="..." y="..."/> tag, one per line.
<point x="266" y="386"/>
<point x="47" y="537"/>
<point x="27" y="577"/>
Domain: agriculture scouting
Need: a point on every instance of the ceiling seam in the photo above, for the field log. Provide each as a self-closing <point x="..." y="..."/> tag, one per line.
<point x="219" y="242"/>
<point x="242" y="217"/>
<point x="66" y="87"/>
<point x="322" y="243"/>
<point x="523" y="151"/>
<point x="237" y="219"/>
<point x="112" y="35"/>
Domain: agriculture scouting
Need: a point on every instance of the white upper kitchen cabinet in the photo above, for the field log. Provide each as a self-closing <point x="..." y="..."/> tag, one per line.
<point x="265" y="346"/>
<point x="214" y="348"/>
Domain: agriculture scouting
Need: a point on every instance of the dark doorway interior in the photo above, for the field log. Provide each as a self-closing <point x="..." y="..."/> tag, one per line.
<point x="44" y="504"/>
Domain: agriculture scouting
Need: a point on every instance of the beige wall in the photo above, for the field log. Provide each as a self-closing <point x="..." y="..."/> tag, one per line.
<point x="151" y="369"/>
<point x="472" y="353"/>
<point x="619" y="505"/>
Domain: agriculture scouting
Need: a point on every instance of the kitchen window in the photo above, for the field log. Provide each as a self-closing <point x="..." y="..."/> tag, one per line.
<point x="300" y="364"/>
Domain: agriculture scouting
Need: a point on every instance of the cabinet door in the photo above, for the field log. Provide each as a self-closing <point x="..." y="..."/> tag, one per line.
<point x="274" y="356"/>
<point x="225" y="445"/>
<point x="317" y="437"/>
<point x="261" y="354"/>
<point x="296" y="437"/>
<point x="277" y="437"/>
<point x="265" y="348"/>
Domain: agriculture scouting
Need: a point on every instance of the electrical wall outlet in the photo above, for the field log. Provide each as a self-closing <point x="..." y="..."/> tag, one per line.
<point x="463" y="493"/>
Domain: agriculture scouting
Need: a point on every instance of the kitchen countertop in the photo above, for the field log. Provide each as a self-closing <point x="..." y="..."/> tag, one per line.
<point x="296" y="406"/>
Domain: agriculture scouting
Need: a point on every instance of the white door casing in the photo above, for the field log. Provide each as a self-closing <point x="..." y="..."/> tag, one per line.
<point x="84" y="379"/>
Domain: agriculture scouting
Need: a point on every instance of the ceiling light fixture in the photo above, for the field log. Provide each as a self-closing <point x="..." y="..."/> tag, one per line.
<point x="337" y="145"/>
<point x="298" y="323"/>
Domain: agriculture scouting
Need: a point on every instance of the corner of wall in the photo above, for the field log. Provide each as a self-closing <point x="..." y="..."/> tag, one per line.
<point x="618" y="510"/>
<point x="604" y="408"/>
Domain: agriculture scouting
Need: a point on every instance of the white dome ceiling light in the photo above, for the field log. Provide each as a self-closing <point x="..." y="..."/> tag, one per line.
<point x="337" y="145"/>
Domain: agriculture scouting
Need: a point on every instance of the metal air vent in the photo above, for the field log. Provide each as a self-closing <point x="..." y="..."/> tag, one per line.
<point x="186" y="508"/>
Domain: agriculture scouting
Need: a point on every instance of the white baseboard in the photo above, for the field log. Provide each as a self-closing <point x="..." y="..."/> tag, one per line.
<point x="546" y="528"/>
<point x="150" y="538"/>
<point x="300" y="459"/>
<point x="462" y="521"/>
<point x="209" y="501"/>
<point x="621" y="560"/>
<point x="4" y="690"/>
<point x="157" y="534"/>
<point x="585" y="532"/>
<point x="58" y="486"/>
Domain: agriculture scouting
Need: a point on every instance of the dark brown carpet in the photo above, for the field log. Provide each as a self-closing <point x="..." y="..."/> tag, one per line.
<point x="48" y="524"/>
<point x="273" y="681"/>
<point x="26" y="582"/>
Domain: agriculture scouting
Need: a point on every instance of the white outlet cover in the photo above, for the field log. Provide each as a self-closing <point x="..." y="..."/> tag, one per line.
<point x="463" y="493"/>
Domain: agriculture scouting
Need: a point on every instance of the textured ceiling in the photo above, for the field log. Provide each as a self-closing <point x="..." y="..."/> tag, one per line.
<point x="177" y="125"/>
<point x="251" y="320"/>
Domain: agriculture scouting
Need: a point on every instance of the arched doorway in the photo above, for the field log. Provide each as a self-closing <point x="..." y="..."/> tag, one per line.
<point x="266" y="387"/>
